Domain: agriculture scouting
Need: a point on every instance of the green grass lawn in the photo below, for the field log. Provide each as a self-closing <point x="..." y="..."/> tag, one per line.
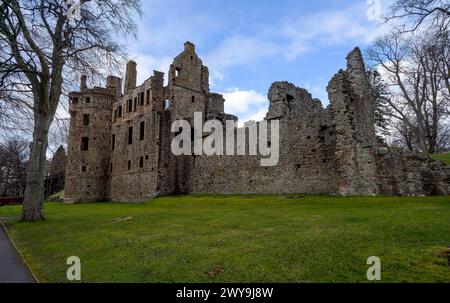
<point x="241" y="239"/>
<point x="442" y="157"/>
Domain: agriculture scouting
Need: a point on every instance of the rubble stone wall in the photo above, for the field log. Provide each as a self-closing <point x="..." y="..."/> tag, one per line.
<point x="332" y="150"/>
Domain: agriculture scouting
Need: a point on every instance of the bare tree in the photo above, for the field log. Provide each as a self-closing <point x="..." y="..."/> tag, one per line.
<point x="14" y="155"/>
<point x="416" y="70"/>
<point x="40" y="49"/>
<point x="417" y="13"/>
<point x="380" y="96"/>
<point x="15" y="112"/>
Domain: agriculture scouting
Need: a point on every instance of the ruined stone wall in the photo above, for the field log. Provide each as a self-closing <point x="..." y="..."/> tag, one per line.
<point x="354" y="125"/>
<point x="134" y="163"/>
<point x="331" y="150"/>
<point x="406" y="174"/>
<point x="306" y="163"/>
<point x="167" y="161"/>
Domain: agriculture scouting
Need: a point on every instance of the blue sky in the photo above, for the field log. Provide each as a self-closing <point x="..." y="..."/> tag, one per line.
<point x="248" y="44"/>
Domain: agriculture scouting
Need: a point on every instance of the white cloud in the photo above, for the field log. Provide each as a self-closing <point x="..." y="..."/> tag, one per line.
<point x="292" y="37"/>
<point x="167" y="24"/>
<point x="257" y="116"/>
<point x="241" y="50"/>
<point x="246" y="104"/>
<point x="162" y="34"/>
<point x="147" y="63"/>
<point x="214" y="77"/>
<point x="240" y="101"/>
<point x="329" y="28"/>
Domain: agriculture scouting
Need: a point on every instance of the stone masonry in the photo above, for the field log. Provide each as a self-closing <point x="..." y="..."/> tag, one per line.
<point x="120" y="142"/>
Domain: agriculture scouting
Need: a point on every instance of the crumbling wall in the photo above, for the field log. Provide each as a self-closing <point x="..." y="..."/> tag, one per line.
<point x="306" y="163"/>
<point x="354" y="125"/>
<point x="331" y="150"/>
<point x="409" y="174"/>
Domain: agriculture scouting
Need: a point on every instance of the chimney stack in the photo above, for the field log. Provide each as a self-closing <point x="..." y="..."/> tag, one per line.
<point x="115" y="85"/>
<point x="130" y="77"/>
<point x="83" y="85"/>
<point x="189" y="47"/>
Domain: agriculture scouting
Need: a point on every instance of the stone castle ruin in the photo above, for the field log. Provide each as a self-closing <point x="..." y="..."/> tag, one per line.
<point x="120" y="142"/>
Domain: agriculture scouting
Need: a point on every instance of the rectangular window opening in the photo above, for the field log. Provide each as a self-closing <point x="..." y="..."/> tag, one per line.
<point x="130" y="135"/>
<point x="142" y="98"/>
<point x="130" y="105"/>
<point x="86" y="119"/>
<point x="84" y="143"/>
<point x="142" y="130"/>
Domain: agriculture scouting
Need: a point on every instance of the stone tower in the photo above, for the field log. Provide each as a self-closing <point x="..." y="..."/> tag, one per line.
<point x="355" y="131"/>
<point x="89" y="141"/>
<point x="187" y="93"/>
<point x="188" y="84"/>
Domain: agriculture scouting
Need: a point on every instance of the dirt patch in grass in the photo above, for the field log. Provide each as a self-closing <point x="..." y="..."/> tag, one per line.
<point x="124" y="219"/>
<point x="218" y="270"/>
<point x="443" y="255"/>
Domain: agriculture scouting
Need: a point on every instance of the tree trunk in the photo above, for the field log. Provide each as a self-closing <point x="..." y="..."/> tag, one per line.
<point x="33" y="204"/>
